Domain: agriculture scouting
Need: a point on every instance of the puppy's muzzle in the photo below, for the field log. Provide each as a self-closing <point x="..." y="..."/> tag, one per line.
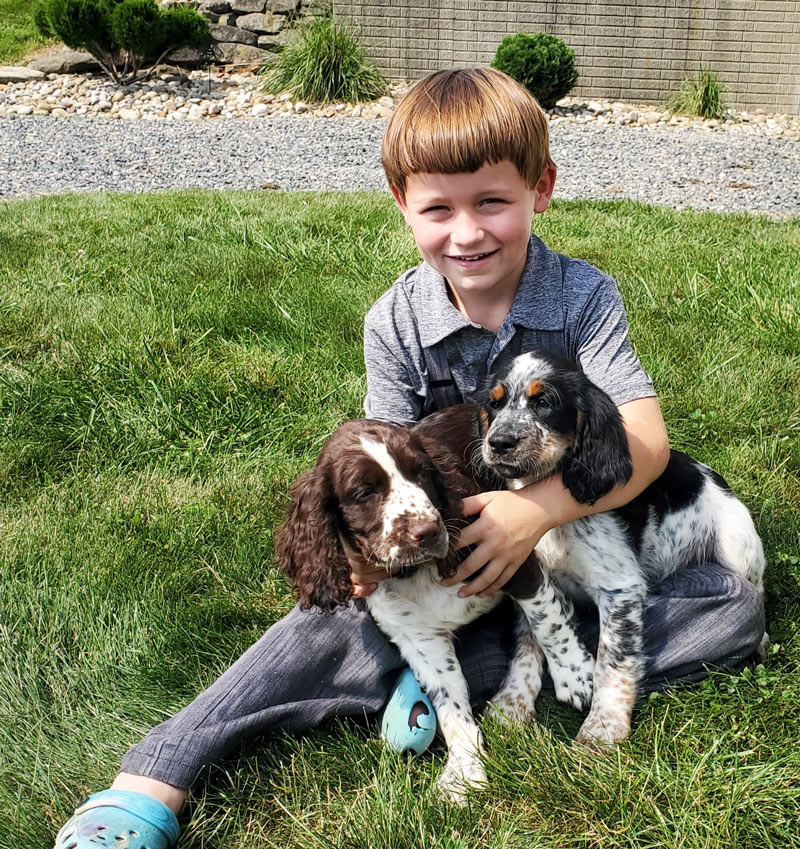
<point x="503" y="442"/>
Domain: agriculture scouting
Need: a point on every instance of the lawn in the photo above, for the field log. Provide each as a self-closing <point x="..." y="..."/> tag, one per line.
<point x="170" y="362"/>
<point x="18" y="35"/>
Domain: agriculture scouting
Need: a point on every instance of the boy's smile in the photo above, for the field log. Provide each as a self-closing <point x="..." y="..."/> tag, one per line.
<point x="474" y="229"/>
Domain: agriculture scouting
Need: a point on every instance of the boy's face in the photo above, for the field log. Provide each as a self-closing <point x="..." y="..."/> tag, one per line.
<point x="474" y="228"/>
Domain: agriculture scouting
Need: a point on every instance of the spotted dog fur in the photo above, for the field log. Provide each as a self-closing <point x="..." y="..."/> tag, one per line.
<point x="393" y="496"/>
<point x="542" y="416"/>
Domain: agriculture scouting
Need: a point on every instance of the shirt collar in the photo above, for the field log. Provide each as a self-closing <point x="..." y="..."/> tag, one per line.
<point x="538" y="303"/>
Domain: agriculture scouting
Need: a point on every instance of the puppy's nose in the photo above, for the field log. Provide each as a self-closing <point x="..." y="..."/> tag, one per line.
<point x="425" y="531"/>
<point x="502" y="442"/>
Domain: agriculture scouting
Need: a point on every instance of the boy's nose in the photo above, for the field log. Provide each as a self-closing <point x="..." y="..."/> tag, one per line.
<point x="466" y="232"/>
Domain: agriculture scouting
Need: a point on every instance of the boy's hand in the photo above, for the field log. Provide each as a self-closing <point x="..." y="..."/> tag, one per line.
<point x="363" y="577"/>
<point x="505" y="533"/>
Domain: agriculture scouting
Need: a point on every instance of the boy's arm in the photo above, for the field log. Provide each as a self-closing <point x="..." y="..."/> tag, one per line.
<point x="511" y="523"/>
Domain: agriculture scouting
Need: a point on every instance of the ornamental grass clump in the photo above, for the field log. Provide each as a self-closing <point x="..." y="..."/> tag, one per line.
<point x="700" y="95"/>
<point x="128" y="38"/>
<point x="541" y="62"/>
<point x="326" y="63"/>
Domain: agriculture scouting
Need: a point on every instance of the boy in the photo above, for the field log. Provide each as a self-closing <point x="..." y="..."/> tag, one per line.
<point x="467" y="159"/>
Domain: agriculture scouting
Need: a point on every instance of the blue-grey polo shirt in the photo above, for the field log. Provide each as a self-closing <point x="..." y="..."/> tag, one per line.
<point x="580" y="308"/>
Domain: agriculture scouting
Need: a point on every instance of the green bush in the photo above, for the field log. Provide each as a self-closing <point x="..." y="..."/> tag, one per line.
<point x="183" y="24"/>
<point x="126" y="37"/>
<point x="136" y="25"/>
<point x="541" y="62"/>
<point x="700" y="95"/>
<point x="40" y="21"/>
<point x="326" y="63"/>
<point x="78" y="23"/>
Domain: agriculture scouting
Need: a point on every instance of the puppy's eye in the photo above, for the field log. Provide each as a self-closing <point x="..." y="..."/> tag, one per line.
<point x="543" y="405"/>
<point x="362" y="495"/>
<point x="496" y="396"/>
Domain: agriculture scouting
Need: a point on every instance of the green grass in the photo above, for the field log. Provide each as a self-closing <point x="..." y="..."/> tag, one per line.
<point x="18" y="35"/>
<point x="170" y="362"/>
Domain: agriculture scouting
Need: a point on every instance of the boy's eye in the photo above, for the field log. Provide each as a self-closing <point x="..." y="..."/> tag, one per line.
<point x="493" y="200"/>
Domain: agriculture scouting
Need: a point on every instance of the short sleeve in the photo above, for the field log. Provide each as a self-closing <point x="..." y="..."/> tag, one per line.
<point x="603" y="349"/>
<point x="394" y="387"/>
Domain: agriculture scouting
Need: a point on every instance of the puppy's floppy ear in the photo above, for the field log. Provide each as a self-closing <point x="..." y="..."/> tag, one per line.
<point x="308" y="547"/>
<point x="451" y="485"/>
<point x="600" y="458"/>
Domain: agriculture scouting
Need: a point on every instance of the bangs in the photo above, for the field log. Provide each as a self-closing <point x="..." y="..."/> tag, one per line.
<point x="457" y="121"/>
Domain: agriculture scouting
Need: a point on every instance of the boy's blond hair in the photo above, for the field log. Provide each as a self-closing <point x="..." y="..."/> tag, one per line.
<point x="456" y="121"/>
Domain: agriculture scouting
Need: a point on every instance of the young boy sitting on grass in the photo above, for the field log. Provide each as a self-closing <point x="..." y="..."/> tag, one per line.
<point x="467" y="159"/>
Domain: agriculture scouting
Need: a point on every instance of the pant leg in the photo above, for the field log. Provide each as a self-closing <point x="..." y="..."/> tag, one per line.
<point x="703" y="616"/>
<point x="312" y="666"/>
<point x="484" y="649"/>
<point x="308" y="667"/>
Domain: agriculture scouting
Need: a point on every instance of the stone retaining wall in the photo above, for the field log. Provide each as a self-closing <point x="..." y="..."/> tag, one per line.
<point x="247" y="32"/>
<point x="632" y="50"/>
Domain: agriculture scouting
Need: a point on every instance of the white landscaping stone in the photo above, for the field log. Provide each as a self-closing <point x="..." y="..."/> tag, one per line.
<point x="200" y="95"/>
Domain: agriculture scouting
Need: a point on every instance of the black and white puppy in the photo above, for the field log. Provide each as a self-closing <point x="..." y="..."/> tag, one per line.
<point x="544" y="416"/>
<point x="393" y="496"/>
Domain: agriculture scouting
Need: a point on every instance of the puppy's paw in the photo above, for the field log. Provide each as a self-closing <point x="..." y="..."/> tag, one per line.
<point x="602" y="731"/>
<point x="462" y="772"/>
<point x="513" y="707"/>
<point x="762" y="650"/>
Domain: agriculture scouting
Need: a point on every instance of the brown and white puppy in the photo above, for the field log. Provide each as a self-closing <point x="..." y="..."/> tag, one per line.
<point x="393" y="495"/>
<point x="544" y="416"/>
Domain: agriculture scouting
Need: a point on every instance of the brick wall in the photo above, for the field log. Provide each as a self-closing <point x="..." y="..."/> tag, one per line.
<point x="638" y="50"/>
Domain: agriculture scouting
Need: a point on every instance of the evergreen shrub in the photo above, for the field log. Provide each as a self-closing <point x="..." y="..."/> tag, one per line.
<point x="128" y="38"/>
<point x="541" y="62"/>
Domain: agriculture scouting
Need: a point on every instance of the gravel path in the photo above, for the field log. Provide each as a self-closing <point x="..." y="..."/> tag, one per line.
<point x="676" y="168"/>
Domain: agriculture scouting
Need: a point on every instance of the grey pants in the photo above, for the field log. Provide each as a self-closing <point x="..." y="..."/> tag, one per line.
<point x="311" y="666"/>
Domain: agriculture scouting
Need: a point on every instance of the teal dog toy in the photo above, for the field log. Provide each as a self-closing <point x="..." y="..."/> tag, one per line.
<point x="120" y="818"/>
<point x="408" y="723"/>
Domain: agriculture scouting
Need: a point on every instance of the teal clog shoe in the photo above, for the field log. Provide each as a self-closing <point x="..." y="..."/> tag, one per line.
<point x="120" y="818"/>
<point x="408" y="723"/>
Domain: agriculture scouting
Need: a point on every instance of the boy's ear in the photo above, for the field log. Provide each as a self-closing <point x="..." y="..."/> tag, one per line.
<point x="399" y="200"/>
<point x="545" y="186"/>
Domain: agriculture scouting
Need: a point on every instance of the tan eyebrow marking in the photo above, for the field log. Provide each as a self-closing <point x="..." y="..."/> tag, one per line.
<point x="498" y="392"/>
<point x="534" y="388"/>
